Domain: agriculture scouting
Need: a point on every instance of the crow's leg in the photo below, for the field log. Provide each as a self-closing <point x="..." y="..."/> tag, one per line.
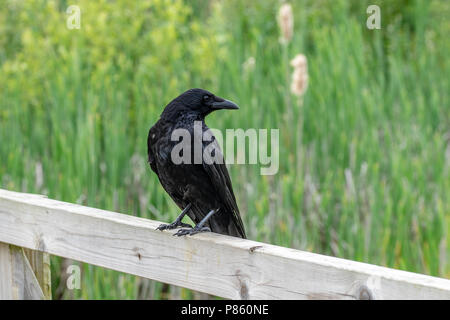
<point x="177" y="222"/>
<point x="198" y="228"/>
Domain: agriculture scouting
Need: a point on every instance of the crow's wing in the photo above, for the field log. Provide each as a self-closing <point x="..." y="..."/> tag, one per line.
<point x="220" y="179"/>
<point x="151" y="156"/>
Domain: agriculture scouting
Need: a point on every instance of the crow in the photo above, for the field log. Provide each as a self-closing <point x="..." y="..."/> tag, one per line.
<point x="200" y="187"/>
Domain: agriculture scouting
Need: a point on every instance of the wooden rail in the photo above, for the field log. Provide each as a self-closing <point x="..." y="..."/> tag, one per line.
<point x="220" y="265"/>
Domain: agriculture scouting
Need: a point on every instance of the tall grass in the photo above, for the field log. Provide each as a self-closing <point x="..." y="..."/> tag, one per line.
<point x="368" y="179"/>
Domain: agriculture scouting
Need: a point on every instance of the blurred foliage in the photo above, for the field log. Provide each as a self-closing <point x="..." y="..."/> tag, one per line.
<point x="364" y="162"/>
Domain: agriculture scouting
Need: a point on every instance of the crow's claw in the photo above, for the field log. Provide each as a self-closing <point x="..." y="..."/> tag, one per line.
<point x="183" y="232"/>
<point x="173" y="225"/>
<point x="177" y="223"/>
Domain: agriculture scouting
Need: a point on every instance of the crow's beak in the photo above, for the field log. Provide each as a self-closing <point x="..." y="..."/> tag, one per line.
<point x="224" y="104"/>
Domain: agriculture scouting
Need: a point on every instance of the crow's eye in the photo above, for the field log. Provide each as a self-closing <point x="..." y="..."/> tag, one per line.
<point x="206" y="98"/>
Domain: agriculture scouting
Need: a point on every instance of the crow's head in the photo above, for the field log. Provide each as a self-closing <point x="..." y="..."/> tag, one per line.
<point x="198" y="101"/>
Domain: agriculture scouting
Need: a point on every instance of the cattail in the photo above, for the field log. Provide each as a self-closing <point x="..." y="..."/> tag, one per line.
<point x="39" y="174"/>
<point x="300" y="75"/>
<point x="249" y="64"/>
<point x="286" y="23"/>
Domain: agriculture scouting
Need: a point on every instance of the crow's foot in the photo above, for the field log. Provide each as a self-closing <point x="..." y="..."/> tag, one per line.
<point x="177" y="223"/>
<point x="173" y="225"/>
<point x="183" y="232"/>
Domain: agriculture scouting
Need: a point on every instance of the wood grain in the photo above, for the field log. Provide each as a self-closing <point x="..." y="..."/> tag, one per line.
<point x="6" y="266"/>
<point x="17" y="279"/>
<point x="40" y="264"/>
<point x="220" y="265"/>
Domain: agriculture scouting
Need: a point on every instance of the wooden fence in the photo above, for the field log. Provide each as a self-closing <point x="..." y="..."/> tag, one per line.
<point x="33" y="227"/>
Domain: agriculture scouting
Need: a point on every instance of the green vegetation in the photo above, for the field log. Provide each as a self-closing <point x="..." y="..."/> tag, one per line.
<point x="368" y="179"/>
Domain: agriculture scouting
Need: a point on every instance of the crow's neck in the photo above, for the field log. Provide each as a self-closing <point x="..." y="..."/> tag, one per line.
<point x="189" y="119"/>
<point x="177" y="115"/>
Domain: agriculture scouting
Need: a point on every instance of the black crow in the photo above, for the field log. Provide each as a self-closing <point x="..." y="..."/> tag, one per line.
<point x="200" y="187"/>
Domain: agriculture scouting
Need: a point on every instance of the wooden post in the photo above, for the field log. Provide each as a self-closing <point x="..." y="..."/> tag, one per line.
<point x="40" y="264"/>
<point x="5" y="273"/>
<point x="17" y="278"/>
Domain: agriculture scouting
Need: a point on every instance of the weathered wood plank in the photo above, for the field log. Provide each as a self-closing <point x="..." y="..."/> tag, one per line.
<point x="6" y="273"/>
<point x="18" y="279"/>
<point x="40" y="264"/>
<point x="25" y="284"/>
<point x="219" y="265"/>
